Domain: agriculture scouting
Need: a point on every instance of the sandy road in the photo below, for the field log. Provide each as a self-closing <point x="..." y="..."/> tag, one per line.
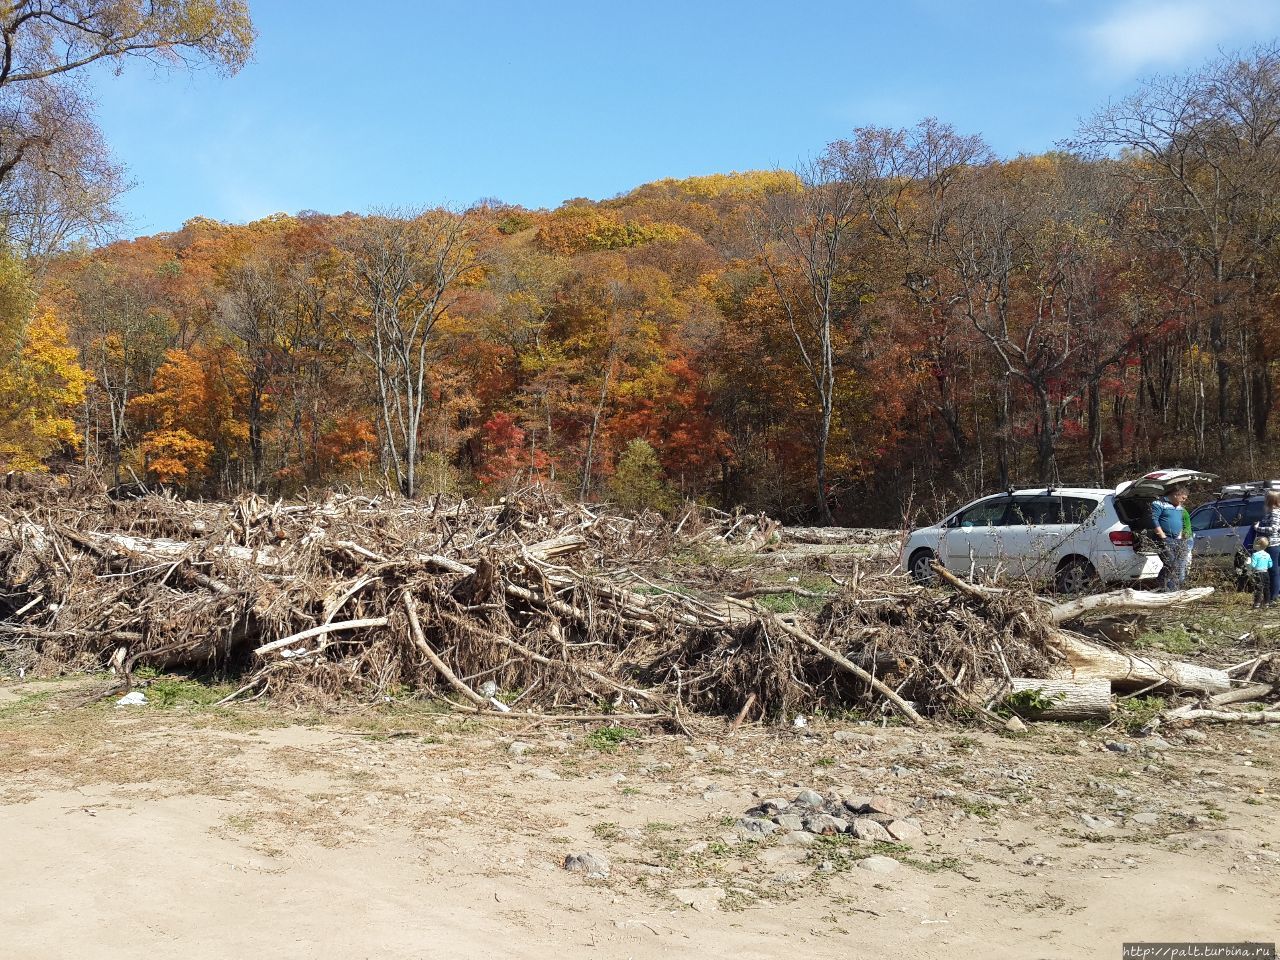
<point x="212" y="835"/>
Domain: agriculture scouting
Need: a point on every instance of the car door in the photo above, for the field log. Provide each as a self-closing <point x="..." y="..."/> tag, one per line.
<point x="1029" y="522"/>
<point x="1054" y="526"/>
<point x="972" y="538"/>
<point x="1216" y="527"/>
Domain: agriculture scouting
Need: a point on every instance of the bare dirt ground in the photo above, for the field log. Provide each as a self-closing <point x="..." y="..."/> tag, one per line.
<point x="200" y="832"/>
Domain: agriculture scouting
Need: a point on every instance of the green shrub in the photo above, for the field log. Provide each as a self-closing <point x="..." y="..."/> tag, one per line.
<point x="637" y="482"/>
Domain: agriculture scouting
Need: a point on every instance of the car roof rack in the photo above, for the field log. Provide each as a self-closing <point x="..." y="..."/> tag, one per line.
<point x="1249" y="489"/>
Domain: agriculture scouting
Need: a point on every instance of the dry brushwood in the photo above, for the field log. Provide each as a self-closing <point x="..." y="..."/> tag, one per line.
<point x="531" y="607"/>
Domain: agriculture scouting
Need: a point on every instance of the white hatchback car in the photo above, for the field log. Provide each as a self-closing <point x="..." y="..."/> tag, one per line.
<point x="1070" y="536"/>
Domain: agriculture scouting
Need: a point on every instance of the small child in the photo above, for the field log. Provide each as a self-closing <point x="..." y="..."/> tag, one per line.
<point x="1260" y="567"/>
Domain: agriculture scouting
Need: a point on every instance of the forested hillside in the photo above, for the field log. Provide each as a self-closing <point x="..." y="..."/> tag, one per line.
<point x="905" y="318"/>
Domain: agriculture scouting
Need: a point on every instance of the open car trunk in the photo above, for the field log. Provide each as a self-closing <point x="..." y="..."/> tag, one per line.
<point x="1134" y="499"/>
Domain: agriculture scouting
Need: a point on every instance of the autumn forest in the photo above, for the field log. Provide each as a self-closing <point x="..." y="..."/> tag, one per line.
<point x="905" y="318"/>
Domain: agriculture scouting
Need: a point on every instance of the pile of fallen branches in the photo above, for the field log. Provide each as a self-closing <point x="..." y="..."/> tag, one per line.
<point x="529" y="607"/>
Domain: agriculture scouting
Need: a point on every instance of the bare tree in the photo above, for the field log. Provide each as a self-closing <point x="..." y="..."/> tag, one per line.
<point x="405" y="270"/>
<point x="804" y="240"/>
<point x="57" y="179"/>
<point x="1029" y="250"/>
<point x="1205" y="149"/>
<point x="122" y="341"/>
<point x="907" y="180"/>
<point x="40" y="39"/>
<point x="252" y="310"/>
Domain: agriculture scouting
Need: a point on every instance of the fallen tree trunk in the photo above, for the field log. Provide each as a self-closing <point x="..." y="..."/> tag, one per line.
<point x="1113" y="601"/>
<point x="835" y="536"/>
<point x="1072" y="699"/>
<point x="1229" y="716"/>
<point x="1252" y="691"/>
<point x="1126" y="671"/>
<point x="1126" y="599"/>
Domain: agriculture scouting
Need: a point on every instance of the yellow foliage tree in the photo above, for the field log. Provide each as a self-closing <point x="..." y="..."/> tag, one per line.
<point x="41" y="389"/>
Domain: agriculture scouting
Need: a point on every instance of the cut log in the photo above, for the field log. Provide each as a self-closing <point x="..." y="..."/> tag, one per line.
<point x="366" y="624"/>
<point x="1229" y="716"/>
<point x="823" y="536"/>
<point x="1251" y="691"/>
<point x="1126" y="599"/>
<point x="1128" y="671"/>
<point x="1072" y="699"/>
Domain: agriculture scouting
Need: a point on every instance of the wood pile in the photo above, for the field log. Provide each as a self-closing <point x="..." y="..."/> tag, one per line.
<point x="532" y="607"/>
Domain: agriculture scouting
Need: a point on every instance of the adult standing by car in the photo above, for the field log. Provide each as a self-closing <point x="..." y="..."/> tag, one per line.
<point x="1188" y="547"/>
<point x="1166" y="515"/>
<point x="1269" y="527"/>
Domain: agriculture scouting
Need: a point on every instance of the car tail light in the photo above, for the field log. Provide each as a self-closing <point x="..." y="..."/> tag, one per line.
<point x="1121" y="538"/>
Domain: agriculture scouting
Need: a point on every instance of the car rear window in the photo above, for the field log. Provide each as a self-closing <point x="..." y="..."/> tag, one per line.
<point x="1253" y="511"/>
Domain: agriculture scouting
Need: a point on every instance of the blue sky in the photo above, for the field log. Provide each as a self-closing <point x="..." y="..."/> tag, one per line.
<point x="351" y="106"/>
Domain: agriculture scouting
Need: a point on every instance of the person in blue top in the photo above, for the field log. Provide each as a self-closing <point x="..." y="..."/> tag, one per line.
<point x="1166" y="514"/>
<point x="1269" y="527"/>
<point x="1260" y="565"/>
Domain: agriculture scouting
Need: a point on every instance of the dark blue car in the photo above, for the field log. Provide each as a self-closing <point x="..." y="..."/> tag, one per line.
<point x="1223" y="526"/>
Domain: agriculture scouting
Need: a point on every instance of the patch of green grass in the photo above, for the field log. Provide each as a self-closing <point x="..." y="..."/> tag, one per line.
<point x="735" y="901"/>
<point x="790" y="603"/>
<point x="657" y="826"/>
<point x="933" y="866"/>
<point x="1062" y="749"/>
<point x="963" y="743"/>
<point x="844" y="851"/>
<point x="1028" y="702"/>
<point x="605" y="831"/>
<point x="167" y="692"/>
<point x="825" y="762"/>
<point x="978" y="808"/>
<point x="25" y="706"/>
<point x="1215" y="623"/>
<point x="608" y="739"/>
<point x="1137" y="712"/>
<point x="1171" y="639"/>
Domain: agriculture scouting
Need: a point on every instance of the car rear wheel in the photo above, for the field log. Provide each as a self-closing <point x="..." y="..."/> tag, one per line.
<point x="921" y="569"/>
<point x="1075" y="575"/>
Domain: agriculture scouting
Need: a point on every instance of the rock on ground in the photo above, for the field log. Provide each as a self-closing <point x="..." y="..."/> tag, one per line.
<point x="593" y="865"/>
<point x="879" y="864"/>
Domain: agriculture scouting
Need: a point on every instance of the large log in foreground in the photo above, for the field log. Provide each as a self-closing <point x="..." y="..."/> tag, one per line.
<point x="1126" y="600"/>
<point x="1067" y="699"/>
<point x="1130" y="671"/>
